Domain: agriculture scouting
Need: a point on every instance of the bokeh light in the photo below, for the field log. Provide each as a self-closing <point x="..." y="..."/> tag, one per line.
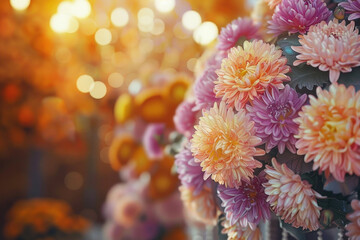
<point x="98" y="90"/>
<point x="81" y="8"/>
<point x="206" y="33"/>
<point x="116" y="80"/>
<point x="60" y="22"/>
<point x="159" y="27"/>
<point x="103" y="36"/>
<point x="135" y="87"/>
<point x="119" y="17"/>
<point x="84" y="83"/>
<point x="164" y="6"/>
<point x="20" y="5"/>
<point x="191" y="20"/>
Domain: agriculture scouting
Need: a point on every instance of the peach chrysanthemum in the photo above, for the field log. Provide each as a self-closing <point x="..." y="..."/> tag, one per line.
<point x="201" y="206"/>
<point x="273" y="3"/>
<point x="248" y="71"/>
<point x="291" y="198"/>
<point x="238" y="232"/>
<point x="331" y="47"/>
<point x="224" y="144"/>
<point x="353" y="228"/>
<point x="329" y="131"/>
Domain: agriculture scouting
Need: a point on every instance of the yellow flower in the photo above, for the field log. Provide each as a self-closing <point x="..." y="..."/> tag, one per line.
<point x="224" y="144"/>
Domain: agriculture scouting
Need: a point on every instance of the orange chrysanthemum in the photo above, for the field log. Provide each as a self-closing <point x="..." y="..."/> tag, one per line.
<point x="329" y="131"/>
<point x="202" y="206"/>
<point x="248" y="71"/>
<point x="238" y="232"/>
<point x="224" y="143"/>
<point x="291" y="198"/>
<point x="331" y="47"/>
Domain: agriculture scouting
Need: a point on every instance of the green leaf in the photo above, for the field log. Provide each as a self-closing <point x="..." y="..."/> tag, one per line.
<point x="286" y="43"/>
<point x="351" y="79"/>
<point x="305" y="76"/>
<point x="294" y="162"/>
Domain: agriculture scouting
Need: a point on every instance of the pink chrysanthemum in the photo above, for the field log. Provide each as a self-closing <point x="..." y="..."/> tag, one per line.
<point x="273" y="3"/>
<point x="239" y="28"/>
<point x="128" y="210"/>
<point x="152" y="140"/>
<point x="247" y="204"/>
<point x="247" y="72"/>
<point x="190" y="173"/>
<point x="291" y="198"/>
<point x="185" y="118"/>
<point x="353" y="228"/>
<point x="204" y="90"/>
<point x="331" y="47"/>
<point x="238" y="232"/>
<point x="297" y="16"/>
<point x="224" y="143"/>
<point x="202" y="206"/>
<point x="329" y="131"/>
<point x="352" y="7"/>
<point x="273" y="114"/>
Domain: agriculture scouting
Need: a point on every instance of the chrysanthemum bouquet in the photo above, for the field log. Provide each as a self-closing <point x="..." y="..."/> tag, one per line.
<point x="273" y="124"/>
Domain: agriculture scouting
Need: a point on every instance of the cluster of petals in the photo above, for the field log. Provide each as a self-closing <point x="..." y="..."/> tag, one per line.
<point x="273" y="114"/>
<point x="185" y="118"/>
<point x="329" y="131"/>
<point x="201" y="207"/>
<point x="246" y="205"/>
<point x="352" y="7"/>
<point x="204" y="90"/>
<point x="241" y="28"/>
<point x="237" y="231"/>
<point x="294" y="16"/>
<point x="291" y="198"/>
<point x="224" y="144"/>
<point x="248" y="71"/>
<point x="333" y="47"/>
<point x="353" y="228"/>
<point x="190" y="173"/>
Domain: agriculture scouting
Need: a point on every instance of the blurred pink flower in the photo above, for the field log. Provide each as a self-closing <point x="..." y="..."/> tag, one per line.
<point x="204" y="90"/>
<point x="241" y="28"/>
<point x="152" y="139"/>
<point x="331" y="47"/>
<point x="273" y="114"/>
<point x="169" y="211"/>
<point x="128" y="209"/>
<point x="190" y="173"/>
<point x="185" y="118"/>
<point x="352" y="7"/>
<point x="294" y="16"/>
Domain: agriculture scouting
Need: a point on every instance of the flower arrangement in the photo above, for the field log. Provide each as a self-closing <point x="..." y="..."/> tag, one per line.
<point x="276" y="123"/>
<point x="44" y="219"/>
<point x="146" y="204"/>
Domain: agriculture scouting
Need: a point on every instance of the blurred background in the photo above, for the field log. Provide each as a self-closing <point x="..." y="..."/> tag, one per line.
<point x="82" y="83"/>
